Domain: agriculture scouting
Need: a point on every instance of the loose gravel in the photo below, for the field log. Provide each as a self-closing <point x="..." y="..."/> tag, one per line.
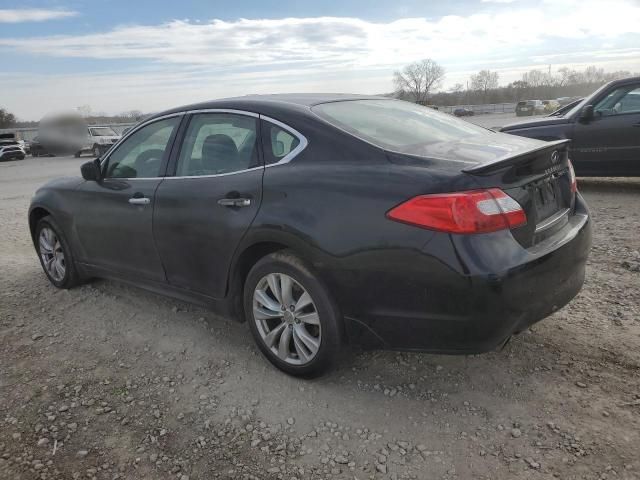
<point x="107" y="381"/>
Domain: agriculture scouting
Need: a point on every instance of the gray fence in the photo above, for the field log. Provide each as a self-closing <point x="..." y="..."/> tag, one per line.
<point x="482" y="109"/>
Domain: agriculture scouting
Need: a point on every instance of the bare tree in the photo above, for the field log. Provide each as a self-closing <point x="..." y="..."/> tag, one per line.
<point x="418" y="79"/>
<point x="484" y="81"/>
<point x="7" y="119"/>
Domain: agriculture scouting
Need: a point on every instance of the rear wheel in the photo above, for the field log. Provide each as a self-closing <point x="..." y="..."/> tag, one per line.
<point x="291" y="315"/>
<point x="55" y="254"/>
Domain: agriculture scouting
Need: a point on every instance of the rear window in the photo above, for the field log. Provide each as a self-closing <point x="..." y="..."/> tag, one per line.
<point x="395" y="125"/>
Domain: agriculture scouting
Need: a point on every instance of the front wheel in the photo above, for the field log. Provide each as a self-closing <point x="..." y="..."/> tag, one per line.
<point x="55" y="254"/>
<point x="292" y="316"/>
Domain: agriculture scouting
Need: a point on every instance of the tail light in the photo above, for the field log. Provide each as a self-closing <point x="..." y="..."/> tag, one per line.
<point x="572" y="178"/>
<point x="476" y="211"/>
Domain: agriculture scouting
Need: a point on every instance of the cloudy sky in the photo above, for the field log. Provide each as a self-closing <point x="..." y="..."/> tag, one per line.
<point x="142" y="54"/>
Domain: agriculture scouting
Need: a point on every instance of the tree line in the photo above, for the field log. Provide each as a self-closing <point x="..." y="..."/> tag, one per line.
<point x="419" y="82"/>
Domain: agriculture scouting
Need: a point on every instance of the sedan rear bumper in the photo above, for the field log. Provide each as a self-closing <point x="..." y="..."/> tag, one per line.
<point x="501" y="289"/>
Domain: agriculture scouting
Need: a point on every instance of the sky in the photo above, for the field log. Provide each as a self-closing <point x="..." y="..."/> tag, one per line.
<point x="149" y="55"/>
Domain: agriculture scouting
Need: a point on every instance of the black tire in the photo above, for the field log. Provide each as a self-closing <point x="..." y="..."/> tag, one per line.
<point x="329" y="351"/>
<point x="71" y="276"/>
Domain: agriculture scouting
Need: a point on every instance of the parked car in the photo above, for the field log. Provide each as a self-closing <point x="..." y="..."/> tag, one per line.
<point x="10" y="148"/>
<point x="326" y="219"/>
<point x="463" y="112"/>
<point x="550" y="106"/>
<point x="529" y="107"/>
<point x="98" y="140"/>
<point x="37" y="149"/>
<point x="604" y="130"/>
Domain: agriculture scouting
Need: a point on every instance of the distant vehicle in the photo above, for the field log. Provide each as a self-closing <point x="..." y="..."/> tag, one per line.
<point x="10" y="148"/>
<point x="25" y="146"/>
<point x="604" y="129"/>
<point x="529" y="107"/>
<point x="323" y="219"/>
<point x="463" y="112"/>
<point x="98" y="141"/>
<point x="37" y="149"/>
<point x="550" y="106"/>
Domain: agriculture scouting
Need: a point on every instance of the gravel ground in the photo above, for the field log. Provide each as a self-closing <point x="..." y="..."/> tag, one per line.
<point x="106" y="381"/>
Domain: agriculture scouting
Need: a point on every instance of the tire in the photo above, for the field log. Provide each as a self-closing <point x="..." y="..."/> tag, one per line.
<point x="71" y="277"/>
<point x="325" y="330"/>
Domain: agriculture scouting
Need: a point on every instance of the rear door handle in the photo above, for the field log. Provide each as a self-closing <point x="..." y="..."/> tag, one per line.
<point x="139" y="201"/>
<point x="234" y="202"/>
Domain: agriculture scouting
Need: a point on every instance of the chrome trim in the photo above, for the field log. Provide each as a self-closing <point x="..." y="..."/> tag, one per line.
<point x="286" y="159"/>
<point x="293" y="153"/>
<point x="223" y="110"/>
<point x="551" y="221"/>
<point x="261" y="167"/>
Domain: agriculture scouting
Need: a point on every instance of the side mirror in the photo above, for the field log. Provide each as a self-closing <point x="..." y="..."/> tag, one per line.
<point x="587" y="113"/>
<point x="91" y="170"/>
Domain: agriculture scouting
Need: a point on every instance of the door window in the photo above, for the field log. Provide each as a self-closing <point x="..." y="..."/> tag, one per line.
<point x="141" y="154"/>
<point x="622" y="100"/>
<point x="279" y="142"/>
<point x="218" y="143"/>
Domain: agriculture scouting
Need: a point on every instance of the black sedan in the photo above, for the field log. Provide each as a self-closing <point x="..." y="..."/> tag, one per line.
<point x="604" y="130"/>
<point x="324" y="220"/>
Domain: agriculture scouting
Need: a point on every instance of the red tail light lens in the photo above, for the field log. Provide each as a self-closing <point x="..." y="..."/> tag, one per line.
<point x="476" y="211"/>
<point x="572" y="179"/>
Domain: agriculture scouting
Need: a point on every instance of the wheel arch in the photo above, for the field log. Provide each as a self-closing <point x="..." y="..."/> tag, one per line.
<point x="249" y="254"/>
<point x="35" y="215"/>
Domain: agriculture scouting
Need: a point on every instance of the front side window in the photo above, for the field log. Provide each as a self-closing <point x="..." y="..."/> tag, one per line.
<point x="217" y="143"/>
<point x="396" y="125"/>
<point x="141" y="154"/>
<point x="278" y="142"/>
<point x="622" y="100"/>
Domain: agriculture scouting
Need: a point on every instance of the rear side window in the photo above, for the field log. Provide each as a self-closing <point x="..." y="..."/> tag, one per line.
<point x="218" y="143"/>
<point x="278" y="142"/>
<point x="395" y="125"/>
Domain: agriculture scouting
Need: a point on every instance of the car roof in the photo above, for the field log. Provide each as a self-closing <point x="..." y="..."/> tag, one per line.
<point x="266" y="104"/>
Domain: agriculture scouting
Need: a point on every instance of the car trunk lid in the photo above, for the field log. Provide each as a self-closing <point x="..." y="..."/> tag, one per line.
<point x="536" y="174"/>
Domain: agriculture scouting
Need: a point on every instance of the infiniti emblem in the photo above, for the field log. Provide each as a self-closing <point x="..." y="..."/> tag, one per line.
<point x="555" y="157"/>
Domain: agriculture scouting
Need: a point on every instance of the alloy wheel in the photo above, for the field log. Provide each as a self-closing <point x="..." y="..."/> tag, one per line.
<point x="52" y="254"/>
<point x="286" y="318"/>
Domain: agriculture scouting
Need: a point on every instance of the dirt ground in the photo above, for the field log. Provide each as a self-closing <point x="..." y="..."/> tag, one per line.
<point x="106" y="381"/>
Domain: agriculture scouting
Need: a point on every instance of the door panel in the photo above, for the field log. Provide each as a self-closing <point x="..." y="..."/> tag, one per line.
<point x="114" y="217"/>
<point x="202" y="213"/>
<point x="609" y="144"/>
<point x="116" y="234"/>
<point x="195" y="235"/>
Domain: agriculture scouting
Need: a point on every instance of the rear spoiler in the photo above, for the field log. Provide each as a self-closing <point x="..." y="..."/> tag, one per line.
<point x="513" y="159"/>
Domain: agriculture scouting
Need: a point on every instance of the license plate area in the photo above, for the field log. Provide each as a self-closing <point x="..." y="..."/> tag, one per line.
<point x="547" y="198"/>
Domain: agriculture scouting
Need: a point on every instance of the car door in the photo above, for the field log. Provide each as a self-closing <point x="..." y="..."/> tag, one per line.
<point x="609" y="143"/>
<point x="204" y="209"/>
<point x="114" y="217"/>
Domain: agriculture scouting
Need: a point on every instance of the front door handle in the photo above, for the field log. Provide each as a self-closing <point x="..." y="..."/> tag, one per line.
<point x="234" y="202"/>
<point x="139" y="201"/>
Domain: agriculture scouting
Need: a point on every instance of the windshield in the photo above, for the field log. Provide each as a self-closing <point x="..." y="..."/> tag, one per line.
<point x="102" y="132"/>
<point x="395" y="125"/>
